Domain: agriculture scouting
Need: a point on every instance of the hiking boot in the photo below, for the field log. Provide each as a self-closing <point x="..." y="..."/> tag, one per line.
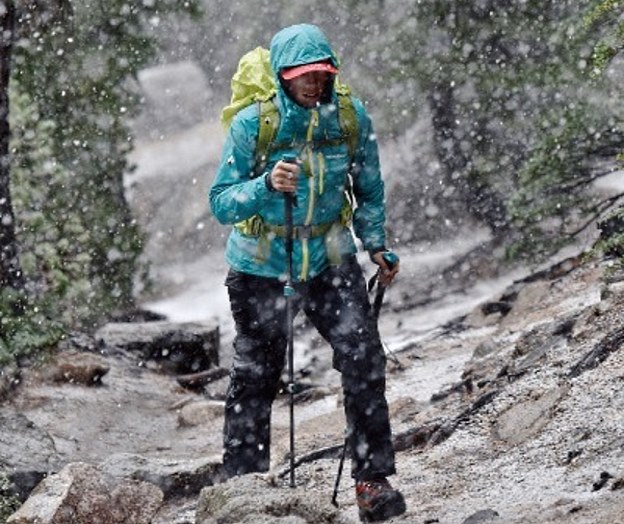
<point x="377" y="500"/>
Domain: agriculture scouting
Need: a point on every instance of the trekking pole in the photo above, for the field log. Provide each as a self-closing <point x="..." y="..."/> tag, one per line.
<point x="391" y="259"/>
<point x="339" y="474"/>
<point x="289" y="291"/>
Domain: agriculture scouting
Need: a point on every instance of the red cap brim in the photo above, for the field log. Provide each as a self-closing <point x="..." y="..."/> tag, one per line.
<point x="293" y="72"/>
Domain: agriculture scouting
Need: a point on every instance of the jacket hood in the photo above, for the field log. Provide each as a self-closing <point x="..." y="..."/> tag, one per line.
<point x="298" y="45"/>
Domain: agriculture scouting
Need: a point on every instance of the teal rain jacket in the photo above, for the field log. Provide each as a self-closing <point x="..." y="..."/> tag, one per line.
<point x="314" y="136"/>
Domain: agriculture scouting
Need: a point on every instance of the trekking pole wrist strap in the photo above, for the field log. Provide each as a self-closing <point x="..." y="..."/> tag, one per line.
<point x="374" y="251"/>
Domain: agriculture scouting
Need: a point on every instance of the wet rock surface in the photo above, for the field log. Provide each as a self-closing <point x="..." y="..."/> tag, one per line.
<point x="82" y="494"/>
<point x="126" y="421"/>
<point x="261" y="499"/>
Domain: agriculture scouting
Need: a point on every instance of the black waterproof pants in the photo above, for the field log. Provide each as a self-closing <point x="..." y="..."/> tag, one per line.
<point x="336" y="302"/>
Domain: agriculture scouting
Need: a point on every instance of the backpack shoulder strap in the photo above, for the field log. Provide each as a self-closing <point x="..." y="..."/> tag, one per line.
<point x="269" y="124"/>
<point x="349" y="125"/>
<point x="348" y="122"/>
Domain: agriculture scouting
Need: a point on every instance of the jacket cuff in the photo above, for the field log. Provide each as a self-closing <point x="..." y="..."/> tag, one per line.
<point x="375" y="250"/>
<point x="267" y="182"/>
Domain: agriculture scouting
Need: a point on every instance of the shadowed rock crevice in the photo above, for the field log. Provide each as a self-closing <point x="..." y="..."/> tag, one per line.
<point x="179" y="348"/>
<point x="610" y="343"/>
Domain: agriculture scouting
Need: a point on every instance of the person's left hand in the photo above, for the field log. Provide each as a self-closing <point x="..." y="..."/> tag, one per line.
<point x="387" y="272"/>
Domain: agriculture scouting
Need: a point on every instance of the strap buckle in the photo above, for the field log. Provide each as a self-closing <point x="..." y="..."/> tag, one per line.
<point x="302" y="232"/>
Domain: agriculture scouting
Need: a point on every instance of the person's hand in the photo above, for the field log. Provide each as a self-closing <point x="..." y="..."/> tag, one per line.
<point x="387" y="271"/>
<point x="284" y="176"/>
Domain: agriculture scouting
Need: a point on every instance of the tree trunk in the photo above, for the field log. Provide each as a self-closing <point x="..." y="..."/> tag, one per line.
<point x="10" y="269"/>
<point x="480" y="200"/>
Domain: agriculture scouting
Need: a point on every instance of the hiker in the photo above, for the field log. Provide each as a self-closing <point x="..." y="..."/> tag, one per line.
<point x="328" y="281"/>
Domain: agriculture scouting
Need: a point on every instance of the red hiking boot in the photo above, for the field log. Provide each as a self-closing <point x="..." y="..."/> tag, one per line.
<point x="377" y="500"/>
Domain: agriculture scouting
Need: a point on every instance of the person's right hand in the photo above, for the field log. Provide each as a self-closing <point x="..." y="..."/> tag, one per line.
<point x="284" y="176"/>
<point x="387" y="272"/>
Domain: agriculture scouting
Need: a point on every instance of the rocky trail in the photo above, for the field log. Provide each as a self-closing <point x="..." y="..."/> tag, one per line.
<point x="509" y="412"/>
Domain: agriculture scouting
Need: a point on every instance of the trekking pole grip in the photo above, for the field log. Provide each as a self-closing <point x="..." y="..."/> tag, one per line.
<point x="289" y="202"/>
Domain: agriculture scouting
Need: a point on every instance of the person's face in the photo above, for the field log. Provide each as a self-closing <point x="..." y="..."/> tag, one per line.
<point x="307" y="89"/>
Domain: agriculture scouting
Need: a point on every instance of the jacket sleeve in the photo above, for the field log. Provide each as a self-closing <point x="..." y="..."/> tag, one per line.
<point x="235" y="194"/>
<point x="368" y="186"/>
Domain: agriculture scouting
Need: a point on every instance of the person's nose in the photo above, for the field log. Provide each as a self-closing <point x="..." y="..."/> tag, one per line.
<point x="315" y="81"/>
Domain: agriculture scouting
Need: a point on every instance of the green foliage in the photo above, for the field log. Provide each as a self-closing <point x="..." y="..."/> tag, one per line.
<point x="519" y="112"/>
<point x="33" y="318"/>
<point x="41" y="197"/>
<point x="604" y="12"/>
<point x="30" y="332"/>
<point x="9" y="503"/>
<point x="603" y="53"/>
<point x="612" y="245"/>
<point x="611" y="240"/>
<point x="89" y="105"/>
<point x="552" y="185"/>
<point x="606" y="17"/>
<point x="71" y="99"/>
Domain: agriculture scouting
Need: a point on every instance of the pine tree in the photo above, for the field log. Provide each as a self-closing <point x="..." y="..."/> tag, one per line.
<point x="73" y="66"/>
<point x="10" y="270"/>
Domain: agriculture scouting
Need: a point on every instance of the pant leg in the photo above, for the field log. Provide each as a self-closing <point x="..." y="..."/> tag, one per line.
<point x="258" y="309"/>
<point x="337" y="304"/>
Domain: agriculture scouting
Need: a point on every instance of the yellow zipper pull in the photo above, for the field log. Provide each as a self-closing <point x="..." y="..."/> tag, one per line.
<point x="321" y="164"/>
<point x="314" y="122"/>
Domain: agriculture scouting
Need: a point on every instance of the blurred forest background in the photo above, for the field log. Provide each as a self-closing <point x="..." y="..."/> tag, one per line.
<point x="519" y="101"/>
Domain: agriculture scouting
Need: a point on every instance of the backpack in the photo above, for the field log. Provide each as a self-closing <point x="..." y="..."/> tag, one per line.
<point x="254" y="82"/>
